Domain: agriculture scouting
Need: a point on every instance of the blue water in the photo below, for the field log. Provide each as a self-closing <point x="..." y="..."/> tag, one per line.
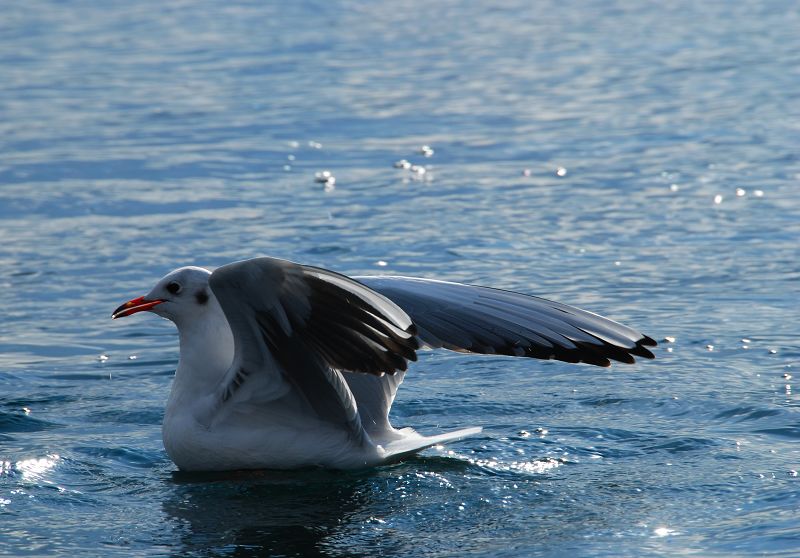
<point x="136" y="137"/>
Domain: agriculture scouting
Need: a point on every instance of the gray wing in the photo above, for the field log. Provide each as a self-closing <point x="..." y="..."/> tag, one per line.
<point x="294" y="327"/>
<point x="493" y="321"/>
<point x="375" y="395"/>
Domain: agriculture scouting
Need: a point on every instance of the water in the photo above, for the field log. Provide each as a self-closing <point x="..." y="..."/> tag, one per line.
<point x="137" y="137"/>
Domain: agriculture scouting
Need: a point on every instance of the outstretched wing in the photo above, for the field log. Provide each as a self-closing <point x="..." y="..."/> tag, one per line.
<point x="295" y="327"/>
<point x="493" y="321"/>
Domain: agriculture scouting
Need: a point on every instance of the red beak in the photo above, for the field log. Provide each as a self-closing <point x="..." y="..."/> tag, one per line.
<point x="133" y="306"/>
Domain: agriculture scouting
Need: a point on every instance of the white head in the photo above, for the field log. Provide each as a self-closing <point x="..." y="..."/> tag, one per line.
<point x="179" y="296"/>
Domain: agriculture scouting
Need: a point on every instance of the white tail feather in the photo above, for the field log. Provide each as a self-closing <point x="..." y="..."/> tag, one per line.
<point x="412" y="442"/>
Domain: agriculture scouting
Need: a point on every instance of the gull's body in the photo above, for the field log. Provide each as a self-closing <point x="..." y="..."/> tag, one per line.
<point x="286" y="366"/>
<point x="272" y="428"/>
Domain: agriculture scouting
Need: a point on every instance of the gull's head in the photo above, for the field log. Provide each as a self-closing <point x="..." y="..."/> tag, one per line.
<point x="180" y="295"/>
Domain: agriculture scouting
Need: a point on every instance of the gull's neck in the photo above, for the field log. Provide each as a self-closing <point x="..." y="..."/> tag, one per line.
<point x="206" y="353"/>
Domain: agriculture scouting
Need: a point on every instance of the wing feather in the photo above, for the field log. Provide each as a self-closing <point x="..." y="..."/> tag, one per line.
<point x="493" y="321"/>
<point x="295" y="327"/>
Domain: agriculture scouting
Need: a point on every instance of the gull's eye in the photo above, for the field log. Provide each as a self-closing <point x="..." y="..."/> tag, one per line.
<point x="173" y="287"/>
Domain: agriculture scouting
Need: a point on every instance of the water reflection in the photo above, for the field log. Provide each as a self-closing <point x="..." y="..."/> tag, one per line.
<point x="266" y="512"/>
<point x="34" y="469"/>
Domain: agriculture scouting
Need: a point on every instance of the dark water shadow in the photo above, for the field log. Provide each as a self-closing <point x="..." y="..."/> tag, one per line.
<point x="286" y="513"/>
<point x="267" y="513"/>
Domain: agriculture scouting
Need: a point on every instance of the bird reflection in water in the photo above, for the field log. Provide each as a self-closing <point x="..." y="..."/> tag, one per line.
<point x="267" y="513"/>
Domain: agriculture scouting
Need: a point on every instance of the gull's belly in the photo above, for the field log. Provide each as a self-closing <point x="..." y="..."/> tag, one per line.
<point x="261" y="440"/>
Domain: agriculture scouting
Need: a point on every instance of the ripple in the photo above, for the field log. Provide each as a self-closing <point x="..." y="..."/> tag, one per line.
<point x="681" y="445"/>
<point x="328" y="249"/>
<point x="79" y="376"/>
<point x="128" y="457"/>
<point x="22" y="422"/>
<point x="148" y="416"/>
<point x="747" y="413"/>
<point x="784" y="432"/>
<point x="603" y="401"/>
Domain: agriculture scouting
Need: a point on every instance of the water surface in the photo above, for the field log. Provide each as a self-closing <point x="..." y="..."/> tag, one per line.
<point x="138" y="137"/>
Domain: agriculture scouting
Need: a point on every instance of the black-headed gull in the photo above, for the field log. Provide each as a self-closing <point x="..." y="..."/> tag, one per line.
<point x="284" y="365"/>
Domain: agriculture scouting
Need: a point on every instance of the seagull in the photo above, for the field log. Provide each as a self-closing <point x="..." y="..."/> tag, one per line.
<point x="286" y="366"/>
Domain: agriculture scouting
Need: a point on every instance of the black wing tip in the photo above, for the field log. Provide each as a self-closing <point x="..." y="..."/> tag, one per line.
<point x="602" y="355"/>
<point x="597" y="361"/>
<point x="647" y="341"/>
<point x="626" y="355"/>
<point x="642" y="352"/>
<point x="618" y="353"/>
<point x="414" y="344"/>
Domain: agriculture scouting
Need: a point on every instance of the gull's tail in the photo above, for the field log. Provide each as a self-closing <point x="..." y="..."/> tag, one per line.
<point x="412" y="442"/>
